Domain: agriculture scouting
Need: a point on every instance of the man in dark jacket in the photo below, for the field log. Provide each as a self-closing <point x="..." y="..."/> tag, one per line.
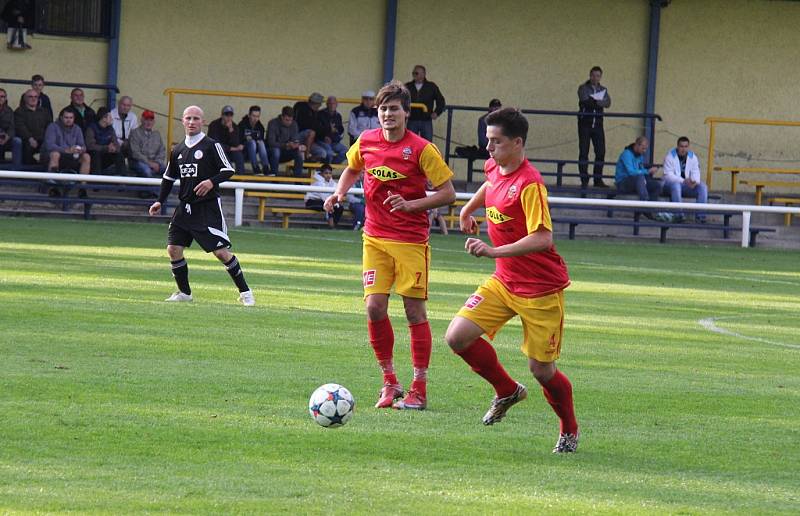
<point x="30" y="122"/>
<point x="425" y="92"/>
<point x="306" y="114"/>
<point x="225" y="131"/>
<point x="37" y="84"/>
<point x="332" y="130"/>
<point x="283" y="142"/>
<point x="593" y="97"/>
<point x="8" y="133"/>
<point x="103" y="145"/>
<point x="252" y="135"/>
<point x="85" y="115"/>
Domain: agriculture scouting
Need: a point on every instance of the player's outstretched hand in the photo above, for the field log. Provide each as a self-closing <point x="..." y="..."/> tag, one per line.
<point x="477" y="247"/>
<point x="203" y="187"/>
<point x="469" y="226"/>
<point x="397" y="203"/>
<point x="155" y="208"/>
<point x="330" y="202"/>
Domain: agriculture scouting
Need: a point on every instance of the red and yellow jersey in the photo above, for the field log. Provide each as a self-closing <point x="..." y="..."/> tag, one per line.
<point x="516" y="206"/>
<point x="403" y="167"/>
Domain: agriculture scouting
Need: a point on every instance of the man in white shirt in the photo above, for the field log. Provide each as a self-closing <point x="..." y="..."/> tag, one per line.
<point x="682" y="177"/>
<point x="124" y="122"/>
<point x="316" y="200"/>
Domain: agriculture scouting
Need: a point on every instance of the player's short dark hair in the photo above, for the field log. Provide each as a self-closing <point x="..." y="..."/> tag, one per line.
<point x="287" y="111"/>
<point x="511" y="122"/>
<point x="596" y="69"/>
<point x="254" y="108"/>
<point x="683" y="139"/>
<point x="37" y="77"/>
<point x="394" y="90"/>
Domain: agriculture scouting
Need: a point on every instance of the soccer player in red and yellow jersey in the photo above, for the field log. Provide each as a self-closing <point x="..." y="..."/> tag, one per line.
<point x="528" y="281"/>
<point x="398" y="164"/>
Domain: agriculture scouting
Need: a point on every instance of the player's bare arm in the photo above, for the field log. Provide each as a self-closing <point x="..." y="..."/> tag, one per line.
<point x="466" y="221"/>
<point x="539" y="240"/>
<point x="346" y="181"/>
<point x="445" y="194"/>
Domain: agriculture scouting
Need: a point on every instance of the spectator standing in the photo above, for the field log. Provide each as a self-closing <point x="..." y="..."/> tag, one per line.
<point x="64" y="147"/>
<point x="483" y="141"/>
<point x="425" y="92"/>
<point x="8" y="133"/>
<point x="593" y="98"/>
<point x="306" y="114"/>
<point x="18" y="16"/>
<point x="30" y="122"/>
<point x="252" y="135"/>
<point x="632" y="176"/>
<point x="147" y="148"/>
<point x="225" y="132"/>
<point x="355" y="202"/>
<point x="124" y="122"/>
<point x="85" y="114"/>
<point x="362" y="117"/>
<point x="102" y="143"/>
<point x="284" y="143"/>
<point x="37" y="85"/>
<point x="330" y="121"/>
<point x="682" y="177"/>
<point x="316" y="200"/>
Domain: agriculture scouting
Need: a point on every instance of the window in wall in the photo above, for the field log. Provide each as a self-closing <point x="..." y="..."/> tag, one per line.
<point x="90" y="18"/>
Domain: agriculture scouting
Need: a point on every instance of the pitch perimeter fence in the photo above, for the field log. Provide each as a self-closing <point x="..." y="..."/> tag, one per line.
<point x="239" y="188"/>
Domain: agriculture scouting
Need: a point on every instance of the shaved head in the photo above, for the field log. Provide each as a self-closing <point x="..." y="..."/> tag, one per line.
<point x="192" y="120"/>
<point x="196" y="109"/>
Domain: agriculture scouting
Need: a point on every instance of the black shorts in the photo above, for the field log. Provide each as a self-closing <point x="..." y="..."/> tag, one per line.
<point x="201" y="221"/>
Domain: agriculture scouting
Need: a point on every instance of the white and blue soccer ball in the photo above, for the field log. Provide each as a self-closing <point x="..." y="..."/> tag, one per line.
<point x="331" y="405"/>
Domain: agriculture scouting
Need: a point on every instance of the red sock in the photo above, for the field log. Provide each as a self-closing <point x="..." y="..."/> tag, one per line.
<point x="421" y="345"/>
<point x="381" y="338"/>
<point x="558" y="393"/>
<point x="481" y="356"/>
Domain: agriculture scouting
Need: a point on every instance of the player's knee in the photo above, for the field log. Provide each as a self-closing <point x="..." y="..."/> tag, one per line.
<point x="174" y="252"/>
<point x="415" y="313"/>
<point x="542" y="371"/>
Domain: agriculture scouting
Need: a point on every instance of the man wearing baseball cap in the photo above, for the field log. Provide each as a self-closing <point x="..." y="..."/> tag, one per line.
<point x="362" y="117"/>
<point x="226" y="132"/>
<point x="306" y="114"/>
<point x="147" y="149"/>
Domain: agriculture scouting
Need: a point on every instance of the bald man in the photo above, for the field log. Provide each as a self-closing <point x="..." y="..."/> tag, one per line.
<point x="201" y="165"/>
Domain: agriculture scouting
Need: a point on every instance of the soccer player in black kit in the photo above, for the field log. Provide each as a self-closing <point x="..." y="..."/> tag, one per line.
<point x="201" y="165"/>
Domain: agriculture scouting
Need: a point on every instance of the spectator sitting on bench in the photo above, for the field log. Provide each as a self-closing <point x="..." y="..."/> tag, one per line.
<point x="8" y="135"/>
<point x="30" y="122"/>
<point x="355" y="202"/>
<point x="631" y="175"/>
<point x="332" y="129"/>
<point x="147" y="148"/>
<point x="102" y="143"/>
<point x="682" y="177"/>
<point x="252" y="135"/>
<point x="84" y="115"/>
<point x="316" y="200"/>
<point x="283" y="142"/>
<point x="124" y="123"/>
<point x="64" y="147"/>
<point x="37" y="85"/>
<point x="362" y="117"/>
<point x="225" y="131"/>
<point x="306" y="114"/>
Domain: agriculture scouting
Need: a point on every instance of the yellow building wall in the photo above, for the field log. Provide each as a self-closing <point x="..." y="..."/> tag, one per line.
<point x="57" y="59"/>
<point x="529" y="54"/>
<point x="732" y="58"/>
<point x="290" y="48"/>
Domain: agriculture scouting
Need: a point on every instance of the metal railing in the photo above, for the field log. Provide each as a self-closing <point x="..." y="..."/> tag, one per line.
<point x="240" y="187"/>
<point x="712" y="121"/>
<point x="112" y="87"/>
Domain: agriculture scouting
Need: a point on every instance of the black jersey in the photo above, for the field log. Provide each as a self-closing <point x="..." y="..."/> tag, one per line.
<point x="193" y="165"/>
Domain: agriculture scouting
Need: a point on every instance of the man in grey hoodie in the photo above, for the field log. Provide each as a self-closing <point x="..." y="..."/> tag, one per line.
<point x="64" y="145"/>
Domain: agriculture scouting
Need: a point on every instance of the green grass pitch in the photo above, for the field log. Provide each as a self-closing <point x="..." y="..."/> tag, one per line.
<point x="685" y="362"/>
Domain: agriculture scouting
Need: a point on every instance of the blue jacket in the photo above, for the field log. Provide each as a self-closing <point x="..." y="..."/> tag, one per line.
<point x="629" y="164"/>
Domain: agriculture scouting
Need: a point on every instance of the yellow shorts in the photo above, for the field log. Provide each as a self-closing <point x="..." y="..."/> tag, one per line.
<point x="388" y="262"/>
<point x="542" y="317"/>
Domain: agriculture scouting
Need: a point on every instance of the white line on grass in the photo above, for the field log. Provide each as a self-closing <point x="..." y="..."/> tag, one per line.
<point x="710" y="325"/>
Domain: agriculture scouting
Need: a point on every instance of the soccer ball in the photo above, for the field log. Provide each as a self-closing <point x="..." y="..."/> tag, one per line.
<point x="331" y="405"/>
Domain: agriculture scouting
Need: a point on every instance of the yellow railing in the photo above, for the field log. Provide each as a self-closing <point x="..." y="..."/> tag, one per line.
<point x="171" y="92"/>
<point x="713" y="120"/>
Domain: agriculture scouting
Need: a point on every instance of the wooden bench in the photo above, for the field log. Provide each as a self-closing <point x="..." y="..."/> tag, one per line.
<point x="735" y="171"/>
<point x="285" y="212"/>
<point x="760" y="184"/>
<point x="263" y="197"/>
<point x="787" y="201"/>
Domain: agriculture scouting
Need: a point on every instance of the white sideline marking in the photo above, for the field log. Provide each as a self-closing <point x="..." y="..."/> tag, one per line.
<point x="710" y="325"/>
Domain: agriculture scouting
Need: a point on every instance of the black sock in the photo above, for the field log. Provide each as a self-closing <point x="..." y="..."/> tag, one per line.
<point x="237" y="275"/>
<point x="180" y="271"/>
